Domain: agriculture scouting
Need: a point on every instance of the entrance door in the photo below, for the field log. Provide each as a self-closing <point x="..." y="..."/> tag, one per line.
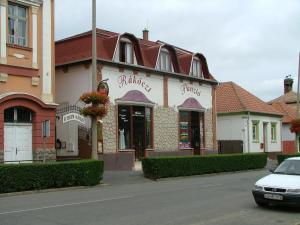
<point x="139" y="132"/>
<point x="195" y="132"/>
<point x="17" y="142"/>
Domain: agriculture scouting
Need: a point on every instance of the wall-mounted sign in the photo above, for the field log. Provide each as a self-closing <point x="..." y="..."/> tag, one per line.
<point x="187" y="88"/>
<point x="103" y="87"/>
<point x="124" y="80"/>
<point x="73" y="117"/>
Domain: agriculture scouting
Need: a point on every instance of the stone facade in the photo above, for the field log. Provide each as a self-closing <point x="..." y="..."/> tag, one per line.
<point x="1" y="155"/>
<point x="109" y="131"/>
<point x="165" y="121"/>
<point x="47" y="154"/>
<point x="209" y="136"/>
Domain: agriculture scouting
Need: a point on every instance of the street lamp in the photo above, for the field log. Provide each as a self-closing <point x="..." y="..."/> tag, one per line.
<point x="94" y="80"/>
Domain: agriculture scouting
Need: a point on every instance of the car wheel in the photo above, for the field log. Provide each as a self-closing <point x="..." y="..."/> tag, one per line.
<point x="261" y="204"/>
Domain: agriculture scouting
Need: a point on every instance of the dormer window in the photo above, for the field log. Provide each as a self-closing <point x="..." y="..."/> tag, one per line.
<point x="17" y="24"/>
<point x="165" y="63"/>
<point x="126" y="52"/>
<point x="196" y="70"/>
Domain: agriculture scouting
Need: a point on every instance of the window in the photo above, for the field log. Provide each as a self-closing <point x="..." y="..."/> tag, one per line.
<point x="273" y="132"/>
<point x="17" y="115"/>
<point x="196" y="68"/>
<point x="124" y="127"/>
<point x="255" y="131"/>
<point x="165" y="61"/>
<point x="17" y="25"/>
<point x="126" y="52"/>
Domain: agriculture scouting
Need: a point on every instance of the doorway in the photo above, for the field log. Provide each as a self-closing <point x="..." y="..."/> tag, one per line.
<point x="135" y="129"/>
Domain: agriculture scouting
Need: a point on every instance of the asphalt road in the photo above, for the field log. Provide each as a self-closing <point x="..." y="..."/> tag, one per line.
<point x="214" y="199"/>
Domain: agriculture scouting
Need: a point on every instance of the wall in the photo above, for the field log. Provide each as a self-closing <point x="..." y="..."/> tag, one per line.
<point x="230" y="127"/>
<point x="287" y="135"/>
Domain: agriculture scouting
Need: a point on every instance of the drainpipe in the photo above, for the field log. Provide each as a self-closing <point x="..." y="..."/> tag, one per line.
<point x="248" y="132"/>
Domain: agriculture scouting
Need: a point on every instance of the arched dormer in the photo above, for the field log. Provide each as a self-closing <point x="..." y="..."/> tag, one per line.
<point x="199" y="66"/>
<point x="128" y="50"/>
<point x="167" y="59"/>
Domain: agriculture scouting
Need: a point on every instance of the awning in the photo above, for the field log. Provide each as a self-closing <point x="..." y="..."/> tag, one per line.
<point x="135" y="97"/>
<point x="191" y="104"/>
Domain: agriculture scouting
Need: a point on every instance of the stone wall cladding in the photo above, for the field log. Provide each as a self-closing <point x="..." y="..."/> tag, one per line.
<point x="109" y="131"/>
<point x="1" y="155"/>
<point x="165" y="122"/>
<point x="47" y="154"/>
<point x="209" y="137"/>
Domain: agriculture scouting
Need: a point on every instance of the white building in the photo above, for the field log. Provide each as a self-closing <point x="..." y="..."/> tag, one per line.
<point x="245" y="123"/>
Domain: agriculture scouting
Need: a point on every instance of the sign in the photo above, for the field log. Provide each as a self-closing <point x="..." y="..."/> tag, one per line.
<point x="186" y="88"/>
<point x="73" y="117"/>
<point x="103" y="87"/>
<point x="46" y="128"/>
<point x="124" y="80"/>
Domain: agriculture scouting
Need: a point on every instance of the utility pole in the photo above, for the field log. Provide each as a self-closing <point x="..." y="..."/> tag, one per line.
<point x="94" y="80"/>
<point x="297" y="113"/>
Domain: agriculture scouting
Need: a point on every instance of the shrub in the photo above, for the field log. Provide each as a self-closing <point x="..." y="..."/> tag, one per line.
<point x="37" y="176"/>
<point x="155" y="168"/>
<point x="280" y="158"/>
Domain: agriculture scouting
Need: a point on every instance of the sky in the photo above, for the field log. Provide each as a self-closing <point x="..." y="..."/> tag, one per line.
<point x="252" y="43"/>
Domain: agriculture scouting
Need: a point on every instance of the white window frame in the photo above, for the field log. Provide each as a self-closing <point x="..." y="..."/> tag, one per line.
<point x="196" y="69"/>
<point x="14" y="39"/>
<point x="255" y="131"/>
<point x="129" y="53"/>
<point x="274" y="132"/>
<point x="165" y="62"/>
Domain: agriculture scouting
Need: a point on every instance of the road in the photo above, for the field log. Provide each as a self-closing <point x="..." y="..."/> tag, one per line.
<point x="223" y="199"/>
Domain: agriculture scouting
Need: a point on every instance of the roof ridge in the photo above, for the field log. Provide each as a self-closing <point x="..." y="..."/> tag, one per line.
<point x="234" y="85"/>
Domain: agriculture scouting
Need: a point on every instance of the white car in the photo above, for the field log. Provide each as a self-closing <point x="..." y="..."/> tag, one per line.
<point x="282" y="187"/>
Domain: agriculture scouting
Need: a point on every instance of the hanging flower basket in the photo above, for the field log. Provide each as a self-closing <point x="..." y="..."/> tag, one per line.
<point x="95" y="98"/>
<point x="295" y="125"/>
<point x="95" y="111"/>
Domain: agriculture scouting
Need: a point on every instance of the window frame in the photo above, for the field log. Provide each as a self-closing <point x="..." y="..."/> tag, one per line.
<point x="273" y="132"/>
<point x="255" y="134"/>
<point x="16" y="18"/>
<point x="123" y="52"/>
<point x="196" y="64"/>
<point x="165" y="61"/>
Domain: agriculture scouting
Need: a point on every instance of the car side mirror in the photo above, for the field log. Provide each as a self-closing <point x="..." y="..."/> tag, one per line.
<point x="272" y="170"/>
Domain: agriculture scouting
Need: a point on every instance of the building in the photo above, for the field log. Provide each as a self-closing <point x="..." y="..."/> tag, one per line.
<point x="27" y="80"/>
<point x="287" y="105"/>
<point x="162" y="98"/>
<point x="245" y="123"/>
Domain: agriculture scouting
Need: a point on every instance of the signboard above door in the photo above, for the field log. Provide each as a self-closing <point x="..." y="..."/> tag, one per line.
<point x="73" y="117"/>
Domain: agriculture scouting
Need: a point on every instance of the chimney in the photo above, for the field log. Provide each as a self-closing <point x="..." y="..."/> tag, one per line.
<point x="288" y="84"/>
<point x="146" y="34"/>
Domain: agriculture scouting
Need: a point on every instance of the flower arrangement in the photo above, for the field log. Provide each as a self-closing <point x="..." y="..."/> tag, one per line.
<point x="94" y="98"/>
<point x="95" y="111"/>
<point x="295" y="125"/>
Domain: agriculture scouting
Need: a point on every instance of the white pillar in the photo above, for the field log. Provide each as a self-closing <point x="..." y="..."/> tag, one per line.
<point x="34" y="37"/>
<point x="3" y="18"/>
<point x="47" y="56"/>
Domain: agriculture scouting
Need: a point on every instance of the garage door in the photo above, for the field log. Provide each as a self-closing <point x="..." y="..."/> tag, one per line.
<point x="17" y="142"/>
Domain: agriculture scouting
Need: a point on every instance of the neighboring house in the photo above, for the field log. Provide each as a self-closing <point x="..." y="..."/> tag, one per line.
<point x="162" y="97"/>
<point x="27" y="80"/>
<point x="288" y="137"/>
<point x="246" y="121"/>
<point x="287" y="104"/>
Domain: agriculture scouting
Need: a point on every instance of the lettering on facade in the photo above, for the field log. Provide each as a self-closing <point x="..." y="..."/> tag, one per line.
<point x="73" y="117"/>
<point x="132" y="79"/>
<point x="186" y="88"/>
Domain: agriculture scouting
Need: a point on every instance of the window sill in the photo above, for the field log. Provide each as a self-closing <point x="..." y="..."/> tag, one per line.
<point x="19" y="47"/>
<point x="273" y="141"/>
<point x="126" y="150"/>
<point x="255" y="141"/>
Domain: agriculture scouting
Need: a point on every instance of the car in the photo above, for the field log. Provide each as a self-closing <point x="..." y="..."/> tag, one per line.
<point x="282" y="187"/>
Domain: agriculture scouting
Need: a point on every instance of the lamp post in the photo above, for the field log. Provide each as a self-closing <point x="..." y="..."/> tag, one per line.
<point x="94" y="80"/>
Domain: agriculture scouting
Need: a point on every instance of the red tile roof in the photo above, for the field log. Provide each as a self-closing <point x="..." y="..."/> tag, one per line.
<point x="290" y="97"/>
<point x="289" y="113"/>
<point x="78" y="48"/>
<point x="233" y="98"/>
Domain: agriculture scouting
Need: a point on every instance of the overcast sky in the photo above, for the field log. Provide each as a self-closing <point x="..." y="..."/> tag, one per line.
<point x="253" y="43"/>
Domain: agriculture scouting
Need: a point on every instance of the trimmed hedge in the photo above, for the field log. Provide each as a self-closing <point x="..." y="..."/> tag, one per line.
<point x="280" y="158"/>
<point x="155" y="168"/>
<point x="36" y="176"/>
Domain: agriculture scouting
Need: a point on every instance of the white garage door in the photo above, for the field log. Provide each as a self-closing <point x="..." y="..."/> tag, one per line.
<point x="17" y="142"/>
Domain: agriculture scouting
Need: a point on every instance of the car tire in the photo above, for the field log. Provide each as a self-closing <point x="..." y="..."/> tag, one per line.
<point x="261" y="204"/>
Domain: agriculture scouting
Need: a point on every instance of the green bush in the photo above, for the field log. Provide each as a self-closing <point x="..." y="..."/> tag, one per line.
<point x="155" y="168"/>
<point x="37" y="176"/>
<point x="280" y="158"/>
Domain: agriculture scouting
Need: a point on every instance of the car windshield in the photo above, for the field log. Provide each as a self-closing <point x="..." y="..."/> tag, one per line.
<point x="289" y="167"/>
